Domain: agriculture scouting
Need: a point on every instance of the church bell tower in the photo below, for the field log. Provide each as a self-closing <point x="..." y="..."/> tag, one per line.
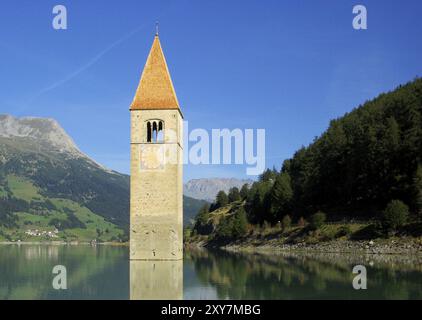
<point x="156" y="190"/>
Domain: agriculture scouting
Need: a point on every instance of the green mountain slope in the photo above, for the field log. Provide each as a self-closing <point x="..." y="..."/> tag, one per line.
<point x="47" y="184"/>
<point x="60" y="175"/>
<point x="28" y="215"/>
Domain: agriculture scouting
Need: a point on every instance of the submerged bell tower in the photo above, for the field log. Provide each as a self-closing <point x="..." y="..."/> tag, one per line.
<point x="156" y="190"/>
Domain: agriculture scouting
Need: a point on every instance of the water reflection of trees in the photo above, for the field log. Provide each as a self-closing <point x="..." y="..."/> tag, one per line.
<point x="306" y="276"/>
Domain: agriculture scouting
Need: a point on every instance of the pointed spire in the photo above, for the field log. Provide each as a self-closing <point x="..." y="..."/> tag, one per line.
<point x="155" y="90"/>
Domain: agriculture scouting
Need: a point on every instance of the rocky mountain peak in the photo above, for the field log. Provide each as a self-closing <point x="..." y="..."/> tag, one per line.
<point x="44" y="131"/>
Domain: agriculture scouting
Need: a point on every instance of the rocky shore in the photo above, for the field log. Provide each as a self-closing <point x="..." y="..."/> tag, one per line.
<point x="395" y="246"/>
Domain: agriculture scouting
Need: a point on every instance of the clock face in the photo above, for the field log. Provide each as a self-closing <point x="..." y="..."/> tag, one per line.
<point x="152" y="157"/>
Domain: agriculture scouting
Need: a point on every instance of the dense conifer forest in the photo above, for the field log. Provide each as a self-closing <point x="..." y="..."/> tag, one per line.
<point x="368" y="160"/>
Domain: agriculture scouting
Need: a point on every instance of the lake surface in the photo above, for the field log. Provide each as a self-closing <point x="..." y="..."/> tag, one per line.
<point x="104" y="272"/>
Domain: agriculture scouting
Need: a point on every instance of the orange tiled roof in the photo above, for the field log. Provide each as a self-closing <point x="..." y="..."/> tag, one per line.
<point x="155" y="90"/>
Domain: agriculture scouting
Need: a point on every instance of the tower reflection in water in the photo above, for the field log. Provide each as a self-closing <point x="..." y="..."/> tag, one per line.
<point x="156" y="280"/>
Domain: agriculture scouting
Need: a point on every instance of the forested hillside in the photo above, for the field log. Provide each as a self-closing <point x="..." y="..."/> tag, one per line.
<point x="368" y="163"/>
<point x="365" y="159"/>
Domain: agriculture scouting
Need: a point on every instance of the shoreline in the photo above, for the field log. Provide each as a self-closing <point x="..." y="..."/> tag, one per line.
<point x="377" y="246"/>
<point x="406" y="246"/>
<point x="61" y="243"/>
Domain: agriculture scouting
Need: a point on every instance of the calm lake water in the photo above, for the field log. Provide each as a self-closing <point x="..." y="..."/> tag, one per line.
<point x="104" y="272"/>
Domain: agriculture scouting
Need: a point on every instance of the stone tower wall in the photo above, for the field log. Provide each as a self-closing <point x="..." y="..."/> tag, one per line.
<point x="156" y="184"/>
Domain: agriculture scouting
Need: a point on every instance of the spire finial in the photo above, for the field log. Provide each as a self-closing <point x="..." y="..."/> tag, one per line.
<point x="156" y="28"/>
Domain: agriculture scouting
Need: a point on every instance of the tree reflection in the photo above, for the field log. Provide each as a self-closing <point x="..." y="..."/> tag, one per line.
<point x="305" y="276"/>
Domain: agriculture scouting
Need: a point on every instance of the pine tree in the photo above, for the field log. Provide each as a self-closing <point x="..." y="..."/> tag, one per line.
<point x="202" y="225"/>
<point x="258" y="202"/>
<point x="203" y="215"/>
<point x="281" y="195"/>
<point x="240" y="223"/>
<point x="234" y="194"/>
<point x="268" y="175"/>
<point x="221" y="199"/>
<point x="395" y="215"/>
<point x="244" y="191"/>
<point x="392" y="134"/>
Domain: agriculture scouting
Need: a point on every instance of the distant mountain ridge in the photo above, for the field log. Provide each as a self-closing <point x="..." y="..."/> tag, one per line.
<point x="207" y="188"/>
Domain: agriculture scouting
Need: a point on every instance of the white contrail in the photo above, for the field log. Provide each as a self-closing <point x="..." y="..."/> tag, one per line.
<point x="87" y="65"/>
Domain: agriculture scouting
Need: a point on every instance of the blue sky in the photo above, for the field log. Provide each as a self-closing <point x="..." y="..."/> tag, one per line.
<point x="285" y="66"/>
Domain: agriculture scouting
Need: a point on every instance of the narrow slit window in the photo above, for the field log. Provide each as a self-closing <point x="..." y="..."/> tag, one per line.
<point x="148" y="131"/>
<point x="160" y="135"/>
<point x="154" y="131"/>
